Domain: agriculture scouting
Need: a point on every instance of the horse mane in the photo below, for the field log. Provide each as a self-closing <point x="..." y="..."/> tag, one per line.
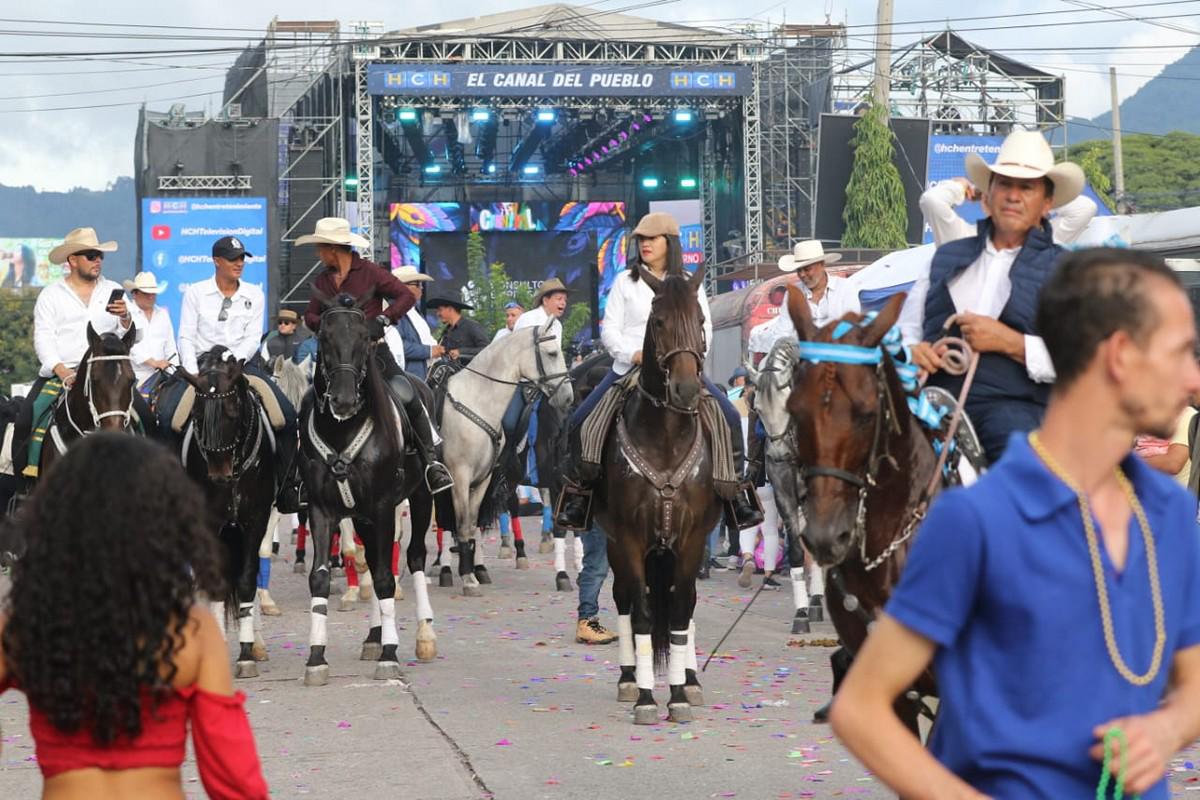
<point x="671" y="299"/>
<point x="381" y="402"/>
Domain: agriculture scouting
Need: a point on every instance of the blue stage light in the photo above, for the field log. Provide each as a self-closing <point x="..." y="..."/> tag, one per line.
<point x="684" y="115"/>
<point x="480" y="115"/>
<point x="547" y="115"/>
<point x="433" y="169"/>
<point x="531" y="169"/>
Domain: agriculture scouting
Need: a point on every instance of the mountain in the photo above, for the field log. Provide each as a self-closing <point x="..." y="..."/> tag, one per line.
<point x="26" y="213"/>
<point x="1169" y="102"/>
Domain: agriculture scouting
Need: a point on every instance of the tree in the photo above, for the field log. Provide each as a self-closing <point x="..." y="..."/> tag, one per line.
<point x="875" y="212"/>
<point x="577" y="317"/>
<point x="1161" y="172"/>
<point x="1097" y="177"/>
<point x="18" y="362"/>
<point x="489" y="290"/>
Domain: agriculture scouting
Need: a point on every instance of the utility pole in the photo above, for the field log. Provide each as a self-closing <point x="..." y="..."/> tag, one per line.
<point x="1118" y="160"/>
<point x="883" y="54"/>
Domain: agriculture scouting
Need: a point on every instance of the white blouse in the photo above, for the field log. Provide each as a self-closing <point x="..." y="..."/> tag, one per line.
<point x="626" y="313"/>
<point x="157" y="340"/>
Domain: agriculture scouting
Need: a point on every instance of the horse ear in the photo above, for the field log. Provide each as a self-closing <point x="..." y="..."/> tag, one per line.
<point x="130" y="337"/>
<point x="697" y="279"/>
<point x="651" y="281"/>
<point x="752" y="374"/>
<point x="801" y="314"/>
<point x="93" y="337"/>
<point x="873" y="334"/>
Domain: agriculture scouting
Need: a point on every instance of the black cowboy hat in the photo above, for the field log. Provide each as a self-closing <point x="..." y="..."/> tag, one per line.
<point x="436" y="302"/>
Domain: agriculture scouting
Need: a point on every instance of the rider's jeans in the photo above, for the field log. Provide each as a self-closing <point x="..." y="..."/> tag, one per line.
<point x="512" y="414"/>
<point x="595" y="570"/>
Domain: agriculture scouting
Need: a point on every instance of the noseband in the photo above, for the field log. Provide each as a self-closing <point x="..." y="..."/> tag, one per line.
<point x="97" y="415"/>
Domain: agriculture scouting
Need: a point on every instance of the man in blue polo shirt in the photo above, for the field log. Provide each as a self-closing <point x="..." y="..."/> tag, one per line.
<point x="1102" y="629"/>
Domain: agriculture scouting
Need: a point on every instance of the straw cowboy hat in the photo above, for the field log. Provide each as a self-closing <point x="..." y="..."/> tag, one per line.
<point x="1026" y="154"/>
<point x="657" y="224"/>
<point x="409" y="274"/>
<point x="334" y="230"/>
<point x="805" y="253"/>
<point x="145" y="282"/>
<point x="548" y="287"/>
<point x="287" y="315"/>
<point x="78" y="241"/>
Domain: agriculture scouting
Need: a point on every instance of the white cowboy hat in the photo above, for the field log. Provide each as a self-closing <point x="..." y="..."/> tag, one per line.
<point x="410" y="274"/>
<point x="334" y="230"/>
<point x="1027" y="154"/>
<point x="145" y="282"/>
<point x="805" y="253"/>
<point x="78" y="241"/>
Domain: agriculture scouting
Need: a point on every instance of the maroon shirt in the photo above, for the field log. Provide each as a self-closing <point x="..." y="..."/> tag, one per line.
<point x="360" y="280"/>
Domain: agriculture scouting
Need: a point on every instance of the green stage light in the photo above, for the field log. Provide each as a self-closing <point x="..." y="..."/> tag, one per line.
<point x="407" y="115"/>
<point x="649" y="183"/>
<point x="687" y="183"/>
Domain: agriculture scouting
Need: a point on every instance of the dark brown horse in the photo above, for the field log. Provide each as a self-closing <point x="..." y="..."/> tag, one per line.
<point x="867" y="463"/>
<point x="657" y="503"/>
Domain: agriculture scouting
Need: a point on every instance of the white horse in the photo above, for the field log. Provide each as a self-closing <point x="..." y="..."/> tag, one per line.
<point x="476" y="399"/>
<point x="773" y="383"/>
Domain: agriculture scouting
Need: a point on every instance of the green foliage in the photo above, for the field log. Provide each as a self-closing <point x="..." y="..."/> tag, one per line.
<point x="577" y="317"/>
<point x="1097" y="177"/>
<point x="18" y="363"/>
<point x="489" y="293"/>
<point x="1161" y="172"/>
<point x="475" y="254"/>
<point x="875" y="212"/>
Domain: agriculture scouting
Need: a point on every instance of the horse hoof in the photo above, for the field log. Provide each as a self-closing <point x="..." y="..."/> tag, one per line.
<point x="366" y="593"/>
<point x="472" y="590"/>
<point x="387" y="671"/>
<point x="371" y="651"/>
<point x="679" y="712"/>
<point x="445" y="577"/>
<point x="546" y="545"/>
<point x="316" y="676"/>
<point x="259" y="652"/>
<point x="246" y="669"/>
<point x="645" y="715"/>
<point x="694" y="695"/>
<point x="426" y="642"/>
<point x="505" y="552"/>
<point x="816" y="611"/>
<point x="346" y="602"/>
<point x="481" y="574"/>
<point x="299" y="568"/>
<point x="399" y="593"/>
<point x="271" y="610"/>
<point x="627" y="692"/>
<point x="562" y="582"/>
<point x="522" y="562"/>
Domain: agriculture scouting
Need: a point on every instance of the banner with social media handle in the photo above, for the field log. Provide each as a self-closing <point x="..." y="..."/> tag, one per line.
<point x="178" y="235"/>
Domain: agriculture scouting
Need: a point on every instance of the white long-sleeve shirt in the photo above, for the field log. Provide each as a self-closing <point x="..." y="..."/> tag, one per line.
<point x="200" y="326"/>
<point x="840" y="298"/>
<point x="625" y="316"/>
<point x="536" y="318"/>
<point x="60" y="321"/>
<point x="157" y="341"/>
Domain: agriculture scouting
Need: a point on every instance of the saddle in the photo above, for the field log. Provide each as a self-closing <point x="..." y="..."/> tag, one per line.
<point x="270" y="405"/>
<point x="439" y="376"/>
<point x="965" y="446"/>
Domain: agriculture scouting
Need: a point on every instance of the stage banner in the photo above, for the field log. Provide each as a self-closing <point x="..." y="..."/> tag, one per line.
<point x="689" y="214"/>
<point x="178" y="235"/>
<point x="558" y="80"/>
<point x="25" y="263"/>
<point x="947" y="157"/>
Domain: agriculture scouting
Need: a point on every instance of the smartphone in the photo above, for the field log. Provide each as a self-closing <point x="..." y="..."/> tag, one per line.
<point x="116" y="295"/>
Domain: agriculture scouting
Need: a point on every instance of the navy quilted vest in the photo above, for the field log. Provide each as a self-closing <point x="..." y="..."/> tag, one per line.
<point x="998" y="377"/>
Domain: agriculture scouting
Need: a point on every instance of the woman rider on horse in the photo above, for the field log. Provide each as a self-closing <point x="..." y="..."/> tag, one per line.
<point x="624" y="329"/>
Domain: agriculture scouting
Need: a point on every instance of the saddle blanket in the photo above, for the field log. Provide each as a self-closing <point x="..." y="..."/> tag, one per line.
<point x="274" y="413"/>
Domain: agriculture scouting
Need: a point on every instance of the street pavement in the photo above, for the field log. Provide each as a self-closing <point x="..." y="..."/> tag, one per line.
<point x="514" y="708"/>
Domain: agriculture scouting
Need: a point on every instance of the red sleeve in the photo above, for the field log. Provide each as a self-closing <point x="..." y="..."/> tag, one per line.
<point x="400" y="297"/>
<point x="224" y="745"/>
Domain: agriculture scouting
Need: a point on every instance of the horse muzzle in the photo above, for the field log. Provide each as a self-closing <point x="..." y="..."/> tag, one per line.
<point x="684" y="394"/>
<point x="829" y="538"/>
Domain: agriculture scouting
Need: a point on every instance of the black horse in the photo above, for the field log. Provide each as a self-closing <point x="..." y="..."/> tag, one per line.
<point x="356" y="468"/>
<point x="226" y="448"/>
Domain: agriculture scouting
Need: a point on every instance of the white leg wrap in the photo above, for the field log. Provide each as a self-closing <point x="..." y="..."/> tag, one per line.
<point x="578" y="553"/>
<point x="421" y="590"/>
<point x="746" y="541"/>
<point x="374" y="614"/>
<point x="770" y="528"/>
<point x="403" y="522"/>
<point x="346" y="526"/>
<point x="560" y="554"/>
<point x="387" y="611"/>
<point x="218" y="611"/>
<point x="245" y="623"/>
<point x="625" y="642"/>
<point x="691" y="646"/>
<point x="677" y="661"/>
<point x="799" y="591"/>
<point x="816" y="581"/>
<point x="316" y="634"/>
<point x="257" y="615"/>
<point x="645" y="661"/>
<point x="264" y="549"/>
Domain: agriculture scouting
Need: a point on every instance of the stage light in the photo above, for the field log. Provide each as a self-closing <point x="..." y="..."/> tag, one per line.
<point x="547" y="115"/>
<point x="433" y="169"/>
<point x="480" y="115"/>
<point x="684" y="115"/>
<point x="351" y="182"/>
<point x="649" y="183"/>
<point x="490" y="169"/>
<point x="407" y="115"/>
<point x="687" y="183"/>
<point x="531" y="169"/>
<point x="574" y="173"/>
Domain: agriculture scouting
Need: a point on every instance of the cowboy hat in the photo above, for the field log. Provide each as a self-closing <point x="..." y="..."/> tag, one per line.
<point x="437" y="302"/>
<point x="548" y="287"/>
<point x="410" y="274"/>
<point x="1027" y="154"/>
<point x="334" y="230"/>
<point x="657" y="224"/>
<point x="805" y="253"/>
<point x="78" y="241"/>
<point x="286" y="315"/>
<point x="145" y="282"/>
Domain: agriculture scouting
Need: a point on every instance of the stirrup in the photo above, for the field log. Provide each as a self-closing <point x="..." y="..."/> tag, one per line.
<point x="449" y="483"/>
<point x="569" y="499"/>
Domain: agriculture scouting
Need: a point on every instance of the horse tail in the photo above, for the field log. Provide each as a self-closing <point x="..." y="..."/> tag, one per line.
<point x="494" y="500"/>
<point x="660" y="574"/>
<point x="233" y="540"/>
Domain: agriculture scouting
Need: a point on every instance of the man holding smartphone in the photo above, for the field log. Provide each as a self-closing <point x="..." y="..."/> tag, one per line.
<point x="60" y="320"/>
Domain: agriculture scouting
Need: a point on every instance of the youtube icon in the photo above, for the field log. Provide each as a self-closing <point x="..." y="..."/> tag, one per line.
<point x="160" y="232"/>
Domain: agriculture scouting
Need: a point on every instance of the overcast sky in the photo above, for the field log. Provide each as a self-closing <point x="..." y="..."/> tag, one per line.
<point x="51" y="142"/>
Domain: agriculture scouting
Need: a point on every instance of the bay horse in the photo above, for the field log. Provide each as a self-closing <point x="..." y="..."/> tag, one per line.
<point x="227" y="449"/>
<point x="867" y="465"/>
<point x="101" y="398"/>
<point x="356" y="471"/>
<point x="476" y="398"/>
<point x="656" y="502"/>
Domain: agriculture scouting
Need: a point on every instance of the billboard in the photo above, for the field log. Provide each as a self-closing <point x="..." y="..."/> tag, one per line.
<point x="558" y="80"/>
<point x="25" y="263"/>
<point x="178" y="235"/>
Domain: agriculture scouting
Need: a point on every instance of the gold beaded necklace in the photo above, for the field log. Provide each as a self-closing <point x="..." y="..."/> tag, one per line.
<point x="1085" y="511"/>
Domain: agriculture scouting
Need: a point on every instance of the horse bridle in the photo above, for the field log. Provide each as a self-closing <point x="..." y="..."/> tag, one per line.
<point x="547" y="382"/>
<point x="126" y="415"/>
<point x="358" y="371"/>
<point x="695" y="349"/>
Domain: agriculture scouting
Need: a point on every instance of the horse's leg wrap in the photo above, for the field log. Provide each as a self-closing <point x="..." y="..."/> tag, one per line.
<point x="560" y="554"/>
<point x="625" y="656"/>
<point x="319" y="614"/>
<point x="644" y="656"/>
<point x="721" y="442"/>
<point x="677" y="659"/>
<point x="691" y="646"/>
<point x="387" y="613"/>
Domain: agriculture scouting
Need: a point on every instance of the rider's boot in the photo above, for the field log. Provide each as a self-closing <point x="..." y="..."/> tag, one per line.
<point x="287" y="473"/>
<point x="437" y="477"/>
<point x="573" y="510"/>
<point x="745" y="508"/>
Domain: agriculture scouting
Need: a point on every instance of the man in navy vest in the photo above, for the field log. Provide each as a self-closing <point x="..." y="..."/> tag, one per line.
<point x="990" y="282"/>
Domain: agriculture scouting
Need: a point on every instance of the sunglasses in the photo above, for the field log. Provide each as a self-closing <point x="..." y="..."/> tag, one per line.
<point x="226" y="304"/>
<point x="91" y="255"/>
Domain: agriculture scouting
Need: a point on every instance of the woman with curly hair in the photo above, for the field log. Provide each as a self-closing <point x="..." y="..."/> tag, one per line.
<point x="116" y="666"/>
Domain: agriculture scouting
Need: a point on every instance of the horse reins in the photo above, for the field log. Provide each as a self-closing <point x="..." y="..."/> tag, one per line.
<point x="126" y="415"/>
<point x="358" y="371"/>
